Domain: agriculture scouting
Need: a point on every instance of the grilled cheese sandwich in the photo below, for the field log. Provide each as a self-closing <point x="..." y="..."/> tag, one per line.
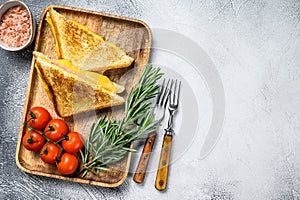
<point x="73" y="90"/>
<point x="86" y="49"/>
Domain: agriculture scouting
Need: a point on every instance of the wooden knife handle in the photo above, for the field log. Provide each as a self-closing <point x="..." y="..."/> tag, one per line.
<point x="163" y="166"/>
<point x="144" y="159"/>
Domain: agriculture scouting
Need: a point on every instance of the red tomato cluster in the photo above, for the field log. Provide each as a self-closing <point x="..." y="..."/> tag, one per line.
<point x="51" y="137"/>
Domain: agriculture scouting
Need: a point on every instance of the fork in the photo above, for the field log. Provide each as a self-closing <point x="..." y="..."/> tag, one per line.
<point x="163" y="166"/>
<point x="159" y="111"/>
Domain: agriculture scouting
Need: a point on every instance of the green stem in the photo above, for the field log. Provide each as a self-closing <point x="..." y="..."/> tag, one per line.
<point x="32" y="116"/>
<point x="65" y="137"/>
<point x="50" y="128"/>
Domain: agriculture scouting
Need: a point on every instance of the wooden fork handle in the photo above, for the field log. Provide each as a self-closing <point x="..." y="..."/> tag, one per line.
<point x="163" y="166"/>
<point x="140" y="172"/>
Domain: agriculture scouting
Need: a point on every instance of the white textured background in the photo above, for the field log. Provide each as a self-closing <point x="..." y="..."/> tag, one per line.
<point x="255" y="46"/>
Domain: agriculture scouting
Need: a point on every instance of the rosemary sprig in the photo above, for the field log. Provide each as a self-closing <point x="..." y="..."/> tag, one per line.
<point x="109" y="140"/>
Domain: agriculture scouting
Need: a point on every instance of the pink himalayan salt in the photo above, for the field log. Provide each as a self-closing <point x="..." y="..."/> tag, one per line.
<point x="15" y="27"/>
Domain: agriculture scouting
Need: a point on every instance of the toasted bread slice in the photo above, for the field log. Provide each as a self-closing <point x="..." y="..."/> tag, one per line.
<point x="86" y="49"/>
<point x="74" y="91"/>
<point x="105" y="55"/>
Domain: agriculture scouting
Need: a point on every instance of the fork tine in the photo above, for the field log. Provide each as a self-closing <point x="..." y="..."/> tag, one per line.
<point x="164" y="94"/>
<point x="171" y="91"/>
<point x="167" y="95"/>
<point x="178" y="93"/>
<point x="167" y="98"/>
<point x="160" y="92"/>
<point x="174" y="92"/>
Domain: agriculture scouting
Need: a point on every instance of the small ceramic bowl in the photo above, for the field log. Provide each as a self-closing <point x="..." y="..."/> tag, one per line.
<point x="5" y="7"/>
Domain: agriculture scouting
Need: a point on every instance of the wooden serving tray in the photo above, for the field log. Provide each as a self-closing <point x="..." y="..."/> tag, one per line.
<point x="131" y="35"/>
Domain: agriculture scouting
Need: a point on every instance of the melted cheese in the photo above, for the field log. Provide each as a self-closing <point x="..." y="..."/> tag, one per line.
<point x="91" y="77"/>
<point x="48" y="19"/>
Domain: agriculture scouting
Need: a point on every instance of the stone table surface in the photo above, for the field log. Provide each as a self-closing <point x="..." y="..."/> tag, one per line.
<point x="255" y="47"/>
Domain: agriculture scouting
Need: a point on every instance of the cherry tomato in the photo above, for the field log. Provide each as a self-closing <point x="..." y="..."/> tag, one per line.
<point x="49" y="153"/>
<point x="56" y="129"/>
<point x="74" y="142"/>
<point x="68" y="164"/>
<point x="33" y="141"/>
<point x="38" y="117"/>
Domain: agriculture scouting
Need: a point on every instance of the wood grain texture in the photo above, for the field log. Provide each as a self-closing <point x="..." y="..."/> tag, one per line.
<point x="141" y="169"/>
<point x="131" y="35"/>
<point x="163" y="166"/>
